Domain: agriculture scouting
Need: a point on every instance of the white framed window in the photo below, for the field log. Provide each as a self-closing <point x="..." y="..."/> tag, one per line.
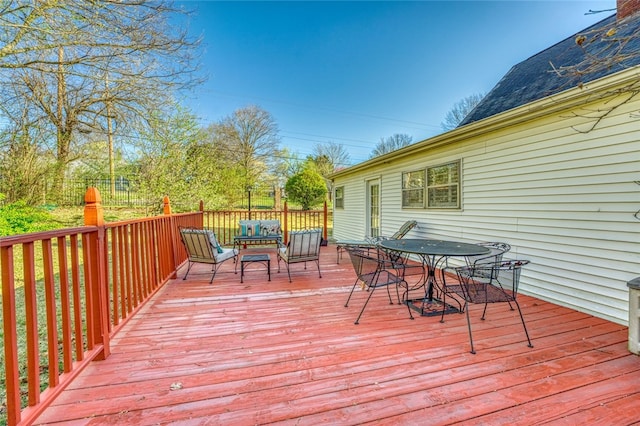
<point x="338" y="198"/>
<point x="443" y="186"/>
<point x="413" y="185"/>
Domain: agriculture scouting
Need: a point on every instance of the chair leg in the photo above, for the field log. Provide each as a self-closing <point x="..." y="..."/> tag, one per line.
<point x="188" y="269"/>
<point x="318" y="264"/>
<point x="346" y="304"/>
<point x="523" y="324"/>
<point x="466" y="308"/>
<point x="365" y="305"/>
<point x="215" y="269"/>
<point x="405" y="297"/>
<point x="389" y="294"/>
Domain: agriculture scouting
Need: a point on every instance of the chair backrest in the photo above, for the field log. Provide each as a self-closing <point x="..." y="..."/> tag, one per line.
<point x="304" y="244"/>
<point x="497" y="250"/>
<point x="200" y="244"/>
<point x="404" y="229"/>
<point x="366" y="267"/>
<point x="491" y="282"/>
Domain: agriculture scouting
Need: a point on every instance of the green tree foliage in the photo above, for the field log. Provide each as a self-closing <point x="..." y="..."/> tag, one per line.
<point x="307" y="187"/>
<point x="174" y="161"/>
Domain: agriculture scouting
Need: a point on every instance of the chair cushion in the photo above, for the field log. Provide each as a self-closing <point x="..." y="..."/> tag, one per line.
<point x="214" y="241"/>
<point x="211" y="236"/>
<point x="226" y="254"/>
<point x="249" y="228"/>
<point x="270" y="227"/>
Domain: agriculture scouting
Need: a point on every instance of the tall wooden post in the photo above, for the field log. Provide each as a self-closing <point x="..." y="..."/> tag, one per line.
<point x="173" y="235"/>
<point x="166" y="205"/>
<point x="326" y="221"/>
<point x="97" y="280"/>
<point x="286" y="223"/>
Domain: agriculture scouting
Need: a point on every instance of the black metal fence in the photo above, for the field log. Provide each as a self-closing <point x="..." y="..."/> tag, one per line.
<point x="127" y="193"/>
<point x="124" y="193"/>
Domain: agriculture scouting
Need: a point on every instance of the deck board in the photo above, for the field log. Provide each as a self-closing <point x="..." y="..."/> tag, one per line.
<point x="277" y="352"/>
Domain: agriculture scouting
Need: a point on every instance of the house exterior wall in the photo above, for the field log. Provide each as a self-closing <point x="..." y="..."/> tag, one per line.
<point x="562" y="195"/>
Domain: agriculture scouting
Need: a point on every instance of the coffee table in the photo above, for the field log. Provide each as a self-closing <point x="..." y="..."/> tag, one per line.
<point x="247" y="259"/>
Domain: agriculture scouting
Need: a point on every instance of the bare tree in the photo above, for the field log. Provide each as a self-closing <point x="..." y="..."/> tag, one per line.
<point x="87" y="65"/>
<point x="459" y="111"/>
<point x="334" y="154"/>
<point x="250" y="136"/>
<point x="605" y="49"/>
<point x="391" y="143"/>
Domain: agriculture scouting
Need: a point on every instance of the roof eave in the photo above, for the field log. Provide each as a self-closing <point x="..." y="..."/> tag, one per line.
<point x="562" y="101"/>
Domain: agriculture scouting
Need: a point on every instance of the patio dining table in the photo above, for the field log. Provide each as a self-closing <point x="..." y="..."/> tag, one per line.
<point x="432" y="253"/>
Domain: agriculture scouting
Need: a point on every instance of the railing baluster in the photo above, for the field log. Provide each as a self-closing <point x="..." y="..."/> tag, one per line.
<point x="50" y="302"/>
<point x="65" y="305"/>
<point x="77" y="297"/>
<point x="31" y="317"/>
<point x="12" y="378"/>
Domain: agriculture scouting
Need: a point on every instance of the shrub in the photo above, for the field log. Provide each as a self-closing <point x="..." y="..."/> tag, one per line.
<point x="19" y="218"/>
<point x="306" y="187"/>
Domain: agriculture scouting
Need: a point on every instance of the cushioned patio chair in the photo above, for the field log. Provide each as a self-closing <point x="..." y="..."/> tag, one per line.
<point x="202" y="247"/>
<point x="303" y="246"/>
<point x="485" y="283"/>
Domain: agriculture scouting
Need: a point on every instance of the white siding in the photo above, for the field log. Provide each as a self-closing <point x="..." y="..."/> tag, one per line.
<point x="562" y="198"/>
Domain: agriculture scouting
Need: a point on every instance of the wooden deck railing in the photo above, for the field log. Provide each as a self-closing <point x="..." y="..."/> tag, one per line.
<point x="225" y="222"/>
<point x="66" y="292"/>
<point x="78" y="292"/>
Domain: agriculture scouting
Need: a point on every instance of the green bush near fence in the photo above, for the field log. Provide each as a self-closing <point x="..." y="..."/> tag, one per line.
<point x="19" y="218"/>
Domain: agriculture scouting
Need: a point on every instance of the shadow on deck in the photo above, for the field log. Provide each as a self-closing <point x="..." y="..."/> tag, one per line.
<point x="278" y="352"/>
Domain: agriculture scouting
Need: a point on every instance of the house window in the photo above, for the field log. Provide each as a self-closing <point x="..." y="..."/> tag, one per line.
<point x="338" y="200"/>
<point x="443" y="186"/>
<point x="413" y="189"/>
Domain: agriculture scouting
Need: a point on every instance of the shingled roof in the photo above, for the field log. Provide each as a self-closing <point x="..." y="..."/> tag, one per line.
<point x="545" y="73"/>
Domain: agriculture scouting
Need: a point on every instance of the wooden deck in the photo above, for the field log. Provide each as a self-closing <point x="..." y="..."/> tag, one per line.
<point x="274" y="352"/>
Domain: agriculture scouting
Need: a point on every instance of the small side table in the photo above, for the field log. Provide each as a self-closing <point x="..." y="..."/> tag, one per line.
<point x="255" y="258"/>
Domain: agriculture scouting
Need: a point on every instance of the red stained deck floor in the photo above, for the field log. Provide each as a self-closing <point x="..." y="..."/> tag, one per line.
<point x="278" y="352"/>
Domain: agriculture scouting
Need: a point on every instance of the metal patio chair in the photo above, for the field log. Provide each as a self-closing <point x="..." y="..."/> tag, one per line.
<point x="374" y="271"/>
<point x="371" y="241"/>
<point x="303" y="246"/>
<point x="485" y="283"/>
<point x="202" y="247"/>
<point x="497" y="251"/>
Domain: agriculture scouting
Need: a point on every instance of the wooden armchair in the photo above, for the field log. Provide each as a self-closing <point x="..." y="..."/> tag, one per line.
<point x="303" y="246"/>
<point x="202" y="247"/>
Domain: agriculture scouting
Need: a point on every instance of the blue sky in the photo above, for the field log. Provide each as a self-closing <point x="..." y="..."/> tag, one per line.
<point x="355" y="72"/>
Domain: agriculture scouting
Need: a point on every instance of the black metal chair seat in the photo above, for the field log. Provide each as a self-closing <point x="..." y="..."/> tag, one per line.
<point x="484" y="283"/>
<point x="373" y="272"/>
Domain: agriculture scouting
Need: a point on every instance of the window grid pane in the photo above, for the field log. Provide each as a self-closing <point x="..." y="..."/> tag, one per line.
<point x="443" y="186"/>
<point x="413" y="189"/>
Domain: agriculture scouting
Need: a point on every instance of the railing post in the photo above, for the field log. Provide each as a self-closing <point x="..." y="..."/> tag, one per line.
<point x="166" y="205"/>
<point x="325" y="222"/>
<point x="94" y="216"/>
<point x="166" y="210"/>
<point x="286" y="223"/>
